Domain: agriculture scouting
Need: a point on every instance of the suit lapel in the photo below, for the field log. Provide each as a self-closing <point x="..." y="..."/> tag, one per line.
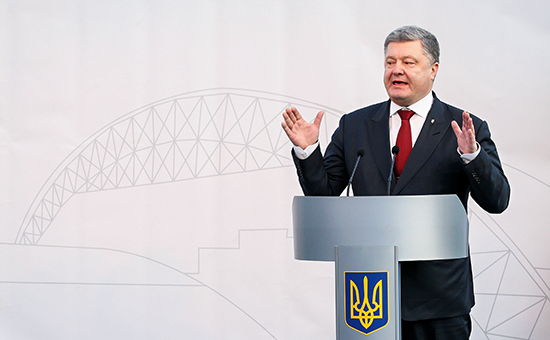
<point x="432" y="132"/>
<point x="379" y="138"/>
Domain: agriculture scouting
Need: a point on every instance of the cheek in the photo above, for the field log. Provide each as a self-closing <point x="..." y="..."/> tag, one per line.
<point x="387" y="76"/>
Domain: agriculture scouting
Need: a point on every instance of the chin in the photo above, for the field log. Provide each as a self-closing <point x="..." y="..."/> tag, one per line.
<point x="403" y="101"/>
<point x="399" y="95"/>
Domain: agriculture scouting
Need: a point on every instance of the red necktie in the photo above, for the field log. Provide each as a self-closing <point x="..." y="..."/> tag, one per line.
<point x="404" y="141"/>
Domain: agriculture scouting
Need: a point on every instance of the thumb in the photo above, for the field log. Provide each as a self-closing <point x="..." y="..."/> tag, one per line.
<point x="319" y="118"/>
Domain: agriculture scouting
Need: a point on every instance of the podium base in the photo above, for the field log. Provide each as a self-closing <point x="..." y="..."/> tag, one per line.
<point x="367" y="293"/>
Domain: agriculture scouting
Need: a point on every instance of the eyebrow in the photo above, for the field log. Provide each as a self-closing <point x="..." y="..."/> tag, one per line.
<point x="403" y="58"/>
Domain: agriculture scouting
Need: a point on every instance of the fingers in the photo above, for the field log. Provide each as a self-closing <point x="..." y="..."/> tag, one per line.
<point x="466" y="137"/>
<point x="290" y="116"/>
<point x="299" y="131"/>
<point x="296" y="113"/>
<point x="285" y="127"/>
<point x="468" y="128"/>
<point x="293" y="114"/>
<point x="467" y="123"/>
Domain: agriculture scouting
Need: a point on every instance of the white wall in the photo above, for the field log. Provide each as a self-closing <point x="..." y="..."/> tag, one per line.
<point x="145" y="184"/>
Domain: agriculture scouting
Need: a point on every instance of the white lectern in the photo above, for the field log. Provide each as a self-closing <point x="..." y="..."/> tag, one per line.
<point x="367" y="237"/>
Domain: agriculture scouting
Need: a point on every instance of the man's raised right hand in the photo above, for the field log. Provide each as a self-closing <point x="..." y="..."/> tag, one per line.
<point x="299" y="131"/>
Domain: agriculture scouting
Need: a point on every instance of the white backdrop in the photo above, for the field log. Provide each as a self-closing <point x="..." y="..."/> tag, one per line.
<point x="145" y="184"/>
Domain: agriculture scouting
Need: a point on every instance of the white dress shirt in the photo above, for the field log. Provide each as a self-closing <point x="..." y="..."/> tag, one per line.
<point x="421" y="109"/>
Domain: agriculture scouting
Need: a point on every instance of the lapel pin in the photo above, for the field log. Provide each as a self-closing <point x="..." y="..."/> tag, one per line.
<point x="433" y="121"/>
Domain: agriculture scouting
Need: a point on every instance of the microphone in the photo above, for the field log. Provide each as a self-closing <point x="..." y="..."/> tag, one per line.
<point x="394" y="152"/>
<point x="360" y="153"/>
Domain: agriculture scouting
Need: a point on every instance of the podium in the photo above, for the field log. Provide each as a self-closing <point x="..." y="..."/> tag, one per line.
<point x="368" y="237"/>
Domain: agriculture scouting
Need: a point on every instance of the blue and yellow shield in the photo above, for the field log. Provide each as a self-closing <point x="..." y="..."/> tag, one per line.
<point x="366" y="300"/>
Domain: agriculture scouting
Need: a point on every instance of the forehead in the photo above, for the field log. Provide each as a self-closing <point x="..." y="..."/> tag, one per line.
<point x="399" y="50"/>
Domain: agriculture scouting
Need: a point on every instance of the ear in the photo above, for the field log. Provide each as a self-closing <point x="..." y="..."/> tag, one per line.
<point x="435" y="68"/>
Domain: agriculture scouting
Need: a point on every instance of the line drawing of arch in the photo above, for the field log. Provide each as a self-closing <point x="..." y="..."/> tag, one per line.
<point x="193" y="135"/>
<point x="207" y="133"/>
<point x="139" y="257"/>
<point x="506" y="263"/>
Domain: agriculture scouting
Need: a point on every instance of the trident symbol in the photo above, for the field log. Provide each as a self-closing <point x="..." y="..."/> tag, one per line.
<point x="369" y="310"/>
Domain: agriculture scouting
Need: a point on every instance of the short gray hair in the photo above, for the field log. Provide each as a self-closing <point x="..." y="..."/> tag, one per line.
<point x="413" y="33"/>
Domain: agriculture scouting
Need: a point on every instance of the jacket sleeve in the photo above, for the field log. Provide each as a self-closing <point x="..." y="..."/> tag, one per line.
<point x="328" y="175"/>
<point x="489" y="186"/>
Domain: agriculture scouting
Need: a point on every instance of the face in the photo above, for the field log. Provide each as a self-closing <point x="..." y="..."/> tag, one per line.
<point x="408" y="74"/>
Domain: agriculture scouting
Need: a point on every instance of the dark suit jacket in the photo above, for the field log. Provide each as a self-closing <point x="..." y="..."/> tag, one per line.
<point x="430" y="289"/>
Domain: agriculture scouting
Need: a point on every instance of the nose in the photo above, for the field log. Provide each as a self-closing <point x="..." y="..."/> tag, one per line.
<point x="397" y="68"/>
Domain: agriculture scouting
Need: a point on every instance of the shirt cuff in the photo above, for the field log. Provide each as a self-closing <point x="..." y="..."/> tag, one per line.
<point x="303" y="154"/>
<point x="468" y="157"/>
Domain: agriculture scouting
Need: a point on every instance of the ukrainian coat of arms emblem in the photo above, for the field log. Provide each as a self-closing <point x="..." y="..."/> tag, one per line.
<point x="366" y="300"/>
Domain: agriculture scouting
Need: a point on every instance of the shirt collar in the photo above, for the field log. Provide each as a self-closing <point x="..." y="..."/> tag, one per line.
<point x="421" y="107"/>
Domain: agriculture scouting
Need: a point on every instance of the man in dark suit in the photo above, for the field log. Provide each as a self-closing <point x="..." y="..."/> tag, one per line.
<point x="446" y="158"/>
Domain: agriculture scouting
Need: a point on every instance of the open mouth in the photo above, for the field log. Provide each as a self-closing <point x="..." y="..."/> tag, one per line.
<point x="399" y="83"/>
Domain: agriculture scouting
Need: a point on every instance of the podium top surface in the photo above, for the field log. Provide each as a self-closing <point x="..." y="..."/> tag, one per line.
<point x="431" y="227"/>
